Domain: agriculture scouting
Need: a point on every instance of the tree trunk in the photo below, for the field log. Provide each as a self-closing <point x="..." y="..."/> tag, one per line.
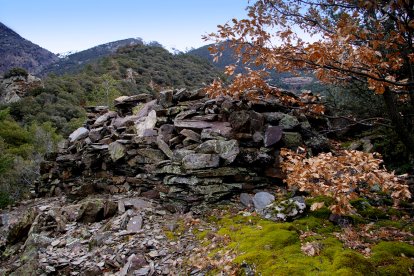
<point x="399" y="126"/>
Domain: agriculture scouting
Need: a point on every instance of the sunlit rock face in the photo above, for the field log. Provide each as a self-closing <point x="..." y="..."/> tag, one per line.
<point x="14" y="88"/>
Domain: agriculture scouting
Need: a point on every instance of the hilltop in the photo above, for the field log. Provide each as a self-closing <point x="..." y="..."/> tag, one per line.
<point x="74" y="62"/>
<point x="15" y="51"/>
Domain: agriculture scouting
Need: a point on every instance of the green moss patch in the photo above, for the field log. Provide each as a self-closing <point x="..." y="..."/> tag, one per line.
<point x="275" y="249"/>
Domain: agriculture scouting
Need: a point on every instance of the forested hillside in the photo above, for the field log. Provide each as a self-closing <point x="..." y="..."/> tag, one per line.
<point x="74" y="62"/>
<point x="58" y="107"/>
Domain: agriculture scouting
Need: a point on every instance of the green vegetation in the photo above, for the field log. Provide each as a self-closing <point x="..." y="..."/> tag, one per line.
<point x="16" y="72"/>
<point x="275" y="249"/>
<point x="22" y="149"/>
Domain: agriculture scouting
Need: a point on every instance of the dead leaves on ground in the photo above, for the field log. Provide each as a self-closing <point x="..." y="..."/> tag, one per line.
<point x="345" y="176"/>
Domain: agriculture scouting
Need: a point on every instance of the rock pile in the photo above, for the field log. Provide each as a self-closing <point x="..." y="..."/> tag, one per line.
<point x="99" y="235"/>
<point x="183" y="147"/>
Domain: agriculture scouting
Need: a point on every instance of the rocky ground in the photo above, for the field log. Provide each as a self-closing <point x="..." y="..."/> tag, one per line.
<point x="100" y="235"/>
<point x="131" y="235"/>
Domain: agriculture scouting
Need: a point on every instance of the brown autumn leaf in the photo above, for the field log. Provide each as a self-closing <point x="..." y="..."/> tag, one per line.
<point x="317" y="205"/>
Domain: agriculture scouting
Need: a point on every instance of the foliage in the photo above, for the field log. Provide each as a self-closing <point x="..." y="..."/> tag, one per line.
<point x="44" y="105"/>
<point x="22" y="149"/>
<point x="365" y="41"/>
<point x="346" y="176"/>
<point x="249" y="245"/>
<point x="16" y="72"/>
<point x="104" y="93"/>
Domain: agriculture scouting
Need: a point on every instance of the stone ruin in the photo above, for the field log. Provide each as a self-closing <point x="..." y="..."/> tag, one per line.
<point x="183" y="148"/>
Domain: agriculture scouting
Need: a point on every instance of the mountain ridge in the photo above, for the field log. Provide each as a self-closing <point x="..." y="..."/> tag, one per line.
<point x="74" y="62"/>
<point x="16" y="51"/>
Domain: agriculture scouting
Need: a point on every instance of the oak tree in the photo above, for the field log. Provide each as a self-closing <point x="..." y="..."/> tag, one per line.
<point x="365" y="41"/>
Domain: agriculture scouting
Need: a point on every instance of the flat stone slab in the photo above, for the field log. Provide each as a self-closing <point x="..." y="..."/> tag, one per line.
<point x="273" y="135"/>
<point x="200" y="161"/>
<point x="79" y="134"/>
<point x="134" y="224"/>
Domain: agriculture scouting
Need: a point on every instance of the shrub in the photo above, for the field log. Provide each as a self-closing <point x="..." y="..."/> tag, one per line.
<point x="16" y="72"/>
<point x="343" y="177"/>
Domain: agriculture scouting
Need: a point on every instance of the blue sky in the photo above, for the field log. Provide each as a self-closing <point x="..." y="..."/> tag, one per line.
<point x="72" y="25"/>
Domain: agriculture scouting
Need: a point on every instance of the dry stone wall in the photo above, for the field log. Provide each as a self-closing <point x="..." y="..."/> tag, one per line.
<point x="183" y="147"/>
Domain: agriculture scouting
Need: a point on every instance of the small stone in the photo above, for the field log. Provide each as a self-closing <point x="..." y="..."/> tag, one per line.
<point x="164" y="147"/>
<point x="262" y="199"/>
<point x="55" y="242"/>
<point x="246" y="199"/>
<point x="166" y="98"/>
<point x="227" y="150"/>
<point x="240" y="120"/>
<point x="292" y="139"/>
<point x="50" y="269"/>
<point x="153" y="254"/>
<point x="194" y="136"/>
<point x="135" y="224"/>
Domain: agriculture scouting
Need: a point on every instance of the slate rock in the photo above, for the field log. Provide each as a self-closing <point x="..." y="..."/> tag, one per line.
<point x="166" y="98"/>
<point x="192" y="124"/>
<point x="285" y="210"/>
<point x="200" y="161"/>
<point x="318" y="144"/>
<point x="95" y="210"/>
<point x="179" y="154"/>
<point x="194" y="136"/>
<point x="116" y="150"/>
<point x="240" y="120"/>
<point x="79" y="134"/>
<point x="96" y="134"/>
<point x="292" y="139"/>
<point x="255" y="156"/>
<point x="18" y="231"/>
<point x="227" y="150"/>
<point x="147" y="124"/>
<point x="166" y="132"/>
<point x="273" y="117"/>
<point x="246" y="200"/>
<point x="256" y="122"/>
<point x="164" y="147"/>
<point x="273" y="135"/>
<point x="104" y="118"/>
<point x="288" y="122"/>
<point x="262" y="199"/>
<point x="134" y="224"/>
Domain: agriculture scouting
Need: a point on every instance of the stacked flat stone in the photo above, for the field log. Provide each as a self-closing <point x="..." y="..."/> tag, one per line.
<point x="182" y="147"/>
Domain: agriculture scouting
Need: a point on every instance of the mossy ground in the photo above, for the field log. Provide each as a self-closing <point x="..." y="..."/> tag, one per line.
<point x="275" y="248"/>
